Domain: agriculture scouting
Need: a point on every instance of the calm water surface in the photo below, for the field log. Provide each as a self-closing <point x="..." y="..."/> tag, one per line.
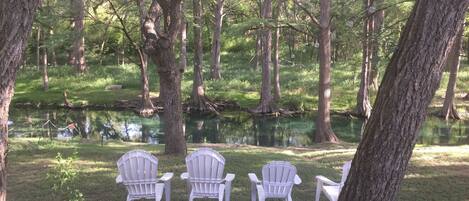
<point x="230" y="127"/>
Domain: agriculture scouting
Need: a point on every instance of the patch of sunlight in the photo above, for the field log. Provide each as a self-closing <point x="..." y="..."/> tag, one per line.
<point x="38" y="162"/>
<point x="97" y="170"/>
<point x="418" y="176"/>
<point x="321" y="154"/>
<point x="453" y="150"/>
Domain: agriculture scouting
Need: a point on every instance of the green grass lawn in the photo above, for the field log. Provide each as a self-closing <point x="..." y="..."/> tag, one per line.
<point x="240" y="84"/>
<point x="435" y="173"/>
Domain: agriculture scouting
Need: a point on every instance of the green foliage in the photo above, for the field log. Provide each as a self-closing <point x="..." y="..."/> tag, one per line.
<point x="64" y="176"/>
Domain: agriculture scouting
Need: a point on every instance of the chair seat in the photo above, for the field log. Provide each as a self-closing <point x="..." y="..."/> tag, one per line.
<point x="157" y="195"/>
<point x="332" y="192"/>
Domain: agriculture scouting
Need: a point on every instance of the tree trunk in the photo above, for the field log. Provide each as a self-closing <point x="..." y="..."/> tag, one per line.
<point x="257" y="53"/>
<point x="199" y="101"/>
<point x="146" y="106"/>
<point x="453" y="62"/>
<point x="266" y="104"/>
<point x="378" y="24"/>
<point x="408" y="85"/>
<point x="276" y="62"/>
<point x="38" y="48"/>
<point x="15" y="27"/>
<point x="45" y="76"/>
<point x="216" y="42"/>
<point x="324" y="131"/>
<point x="183" y="40"/>
<point x="363" y="108"/>
<point x="78" y="27"/>
<point x="160" y="47"/>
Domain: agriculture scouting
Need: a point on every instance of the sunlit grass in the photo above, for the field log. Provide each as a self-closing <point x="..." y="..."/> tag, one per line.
<point x="435" y="172"/>
<point x="239" y="83"/>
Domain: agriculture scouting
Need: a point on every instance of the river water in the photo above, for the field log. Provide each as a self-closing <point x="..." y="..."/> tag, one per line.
<point x="232" y="127"/>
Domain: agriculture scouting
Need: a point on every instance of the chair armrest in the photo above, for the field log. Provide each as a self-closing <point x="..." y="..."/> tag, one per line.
<point x="166" y="176"/>
<point x="185" y="176"/>
<point x="253" y="178"/>
<point x="229" y="177"/>
<point x="297" y="180"/>
<point x="118" y="179"/>
<point x="325" y="180"/>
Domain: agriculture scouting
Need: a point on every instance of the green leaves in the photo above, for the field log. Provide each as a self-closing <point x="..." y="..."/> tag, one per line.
<point x="63" y="177"/>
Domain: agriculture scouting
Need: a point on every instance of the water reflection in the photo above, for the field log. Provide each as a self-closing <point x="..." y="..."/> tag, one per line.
<point x="230" y="127"/>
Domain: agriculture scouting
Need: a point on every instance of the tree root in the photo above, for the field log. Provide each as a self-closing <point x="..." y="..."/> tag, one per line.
<point x="450" y="113"/>
<point x="202" y="104"/>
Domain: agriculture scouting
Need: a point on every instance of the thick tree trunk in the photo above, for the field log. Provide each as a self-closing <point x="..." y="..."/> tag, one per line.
<point x="276" y="62"/>
<point x="378" y="24"/>
<point x="408" y="85"/>
<point x="324" y="131"/>
<point x="198" y="101"/>
<point x="160" y="46"/>
<point x="216" y="41"/>
<point x="363" y="108"/>
<point x="146" y="106"/>
<point x="266" y="104"/>
<point x="453" y="62"/>
<point x="16" y="18"/>
<point x="78" y="9"/>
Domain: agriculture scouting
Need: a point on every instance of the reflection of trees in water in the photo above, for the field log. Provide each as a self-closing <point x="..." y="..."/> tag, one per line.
<point x="232" y="128"/>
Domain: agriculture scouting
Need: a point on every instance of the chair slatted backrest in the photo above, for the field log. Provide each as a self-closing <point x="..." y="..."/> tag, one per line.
<point x="278" y="178"/>
<point x="345" y="170"/>
<point x="205" y="167"/>
<point x="139" y="170"/>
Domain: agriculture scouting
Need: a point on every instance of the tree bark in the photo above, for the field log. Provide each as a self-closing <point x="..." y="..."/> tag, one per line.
<point x="324" y="131"/>
<point x="216" y="41"/>
<point x="78" y="9"/>
<point x="52" y="51"/>
<point x="363" y="108"/>
<point x="159" y="44"/>
<point x="45" y="76"/>
<point x="257" y="53"/>
<point x="183" y="40"/>
<point x="266" y="103"/>
<point x="38" y="48"/>
<point x="408" y="85"/>
<point x="198" y="101"/>
<point x="146" y="106"/>
<point x="453" y="62"/>
<point x="276" y="62"/>
<point x="378" y="24"/>
<point x="16" y="17"/>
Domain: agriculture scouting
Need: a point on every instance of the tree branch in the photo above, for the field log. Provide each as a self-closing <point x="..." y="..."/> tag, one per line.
<point x="310" y="15"/>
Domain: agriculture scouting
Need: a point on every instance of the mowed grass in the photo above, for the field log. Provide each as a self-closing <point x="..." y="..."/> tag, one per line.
<point x="435" y="172"/>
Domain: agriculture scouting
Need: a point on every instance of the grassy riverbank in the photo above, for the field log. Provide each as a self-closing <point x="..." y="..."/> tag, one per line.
<point x="240" y="84"/>
<point x="435" y="172"/>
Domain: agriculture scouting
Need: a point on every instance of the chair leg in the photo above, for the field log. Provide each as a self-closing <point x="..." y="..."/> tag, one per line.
<point x="318" y="192"/>
<point x="289" y="198"/>
<point x="167" y="191"/>
<point x="253" y="192"/>
<point x="128" y="198"/>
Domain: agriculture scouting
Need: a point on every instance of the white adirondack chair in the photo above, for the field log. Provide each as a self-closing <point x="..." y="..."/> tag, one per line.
<point x="329" y="188"/>
<point x="138" y="171"/>
<point x="204" y="175"/>
<point x="278" y="180"/>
